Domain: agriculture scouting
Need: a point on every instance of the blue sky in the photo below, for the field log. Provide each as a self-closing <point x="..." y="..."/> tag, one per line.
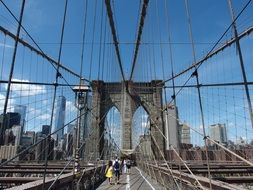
<point x="210" y="18"/>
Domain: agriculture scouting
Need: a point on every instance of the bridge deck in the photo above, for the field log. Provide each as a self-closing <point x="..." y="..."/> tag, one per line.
<point x="136" y="179"/>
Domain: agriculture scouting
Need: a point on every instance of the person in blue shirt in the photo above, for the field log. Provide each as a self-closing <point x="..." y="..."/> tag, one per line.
<point x="116" y="167"/>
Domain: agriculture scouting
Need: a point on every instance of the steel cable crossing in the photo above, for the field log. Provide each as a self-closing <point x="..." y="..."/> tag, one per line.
<point x="212" y="52"/>
<point x="39" y="51"/>
<point x="57" y="75"/>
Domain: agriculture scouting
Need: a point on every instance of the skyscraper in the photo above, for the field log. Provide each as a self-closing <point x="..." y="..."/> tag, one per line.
<point x="172" y="127"/>
<point x="185" y="134"/>
<point x="21" y="109"/>
<point x="6" y="122"/>
<point x="218" y="133"/>
<point x="17" y="132"/>
<point x="59" y="118"/>
<point x="10" y="119"/>
<point x="45" y="129"/>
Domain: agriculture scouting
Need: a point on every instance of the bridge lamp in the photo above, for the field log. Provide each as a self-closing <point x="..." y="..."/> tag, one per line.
<point x="80" y="95"/>
<point x="81" y="92"/>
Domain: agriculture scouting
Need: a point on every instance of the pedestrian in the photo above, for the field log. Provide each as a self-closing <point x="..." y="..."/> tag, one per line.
<point x="116" y="167"/>
<point x="128" y="165"/>
<point x="109" y="171"/>
<point x="123" y="168"/>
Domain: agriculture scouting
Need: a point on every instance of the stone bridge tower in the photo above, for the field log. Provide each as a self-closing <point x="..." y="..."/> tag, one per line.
<point x="127" y="101"/>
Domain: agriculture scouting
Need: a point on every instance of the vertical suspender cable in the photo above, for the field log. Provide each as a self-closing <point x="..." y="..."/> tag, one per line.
<point x="100" y="40"/>
<point x="160" y="39"/>
<point x="83" y="39"/>
<point x="77" y="152"/>
<point x="104" y="48"/>
<point x="92" y="43"/>
<point x="55" y="88"/>
<point x="238" y="47"/>
<point x="170" y="52"/>
<point x="2" y="61"/>
<point x="12" y="68"/>
<point x="195" y="73"/>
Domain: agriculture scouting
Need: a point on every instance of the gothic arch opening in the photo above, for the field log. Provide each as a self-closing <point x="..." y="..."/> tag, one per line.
<point x="113" y="135"/>
<point x="140" y="125"/>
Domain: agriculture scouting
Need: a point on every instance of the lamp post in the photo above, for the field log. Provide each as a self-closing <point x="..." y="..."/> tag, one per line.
<point x="81" y="92"/>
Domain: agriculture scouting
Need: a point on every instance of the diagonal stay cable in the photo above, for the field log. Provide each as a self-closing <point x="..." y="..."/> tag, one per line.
<point x="26" y="44"/>
<point x="138" y="41"/>
<point x="33" y="145"/>
<point x="41" y="51"/>
<point x="196" y="179"/>
<point x="69" y="162"/>
<point x="168" y="167"/>
<point x="212" y="140"/>
<point x="212" y="52"/>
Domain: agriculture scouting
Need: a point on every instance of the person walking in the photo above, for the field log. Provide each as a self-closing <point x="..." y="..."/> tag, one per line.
<point x="109" y="171"/>
<point x="128" y="165"/>
<point x="116" y="167"/>
<point x="123" y="167"/>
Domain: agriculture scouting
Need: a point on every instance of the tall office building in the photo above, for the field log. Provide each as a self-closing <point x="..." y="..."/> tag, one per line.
<point x="28" y="138"/>
<point x="172" y="127"/>
<point x="59" y="118"/>
<point x="40" y="149"/>
<point x="45" y="129"/>
<point x="218" y="133"/>
<point x="21" y="109"/>
<point x="6" y="122"/>
<point x="17" y="132"/>
<point x="185" y="134"/>
<point x="10" y="119"/>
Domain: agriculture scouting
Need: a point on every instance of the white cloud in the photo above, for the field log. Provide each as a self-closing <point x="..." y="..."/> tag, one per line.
<point x="39" y="114"/>
<point x="45" y="102"/>
<point x="231" y="124"/>
<point x="26" y="89"/>
<point x="45" y="116"/>
<point x="34" y="111"/>
<point x="6" y="45"/>
<point x="11" y="103"/>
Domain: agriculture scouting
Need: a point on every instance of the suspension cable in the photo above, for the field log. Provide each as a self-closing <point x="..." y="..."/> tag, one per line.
<point x="40" y="51"/>
<point x="196" y="179"/>
<point x="168" y="167"/>
<point x="212" y="52"/>
<point x="115" y="40"/>
<point x="198" y="89"/>
<point x="57" y="75"/>
<point x="238" y="46"/>
<point x="138" y="40"/>
<point x="2" y="130"/>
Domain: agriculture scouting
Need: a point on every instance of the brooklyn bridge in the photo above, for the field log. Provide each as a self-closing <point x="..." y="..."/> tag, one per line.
<point x="110" y="94"/>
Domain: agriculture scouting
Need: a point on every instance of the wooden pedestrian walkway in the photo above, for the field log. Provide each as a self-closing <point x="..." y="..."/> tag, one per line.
<point x="136" y="179"/>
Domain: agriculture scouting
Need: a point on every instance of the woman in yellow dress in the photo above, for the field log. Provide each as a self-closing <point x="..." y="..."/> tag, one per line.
<point x="109" y="172"/>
